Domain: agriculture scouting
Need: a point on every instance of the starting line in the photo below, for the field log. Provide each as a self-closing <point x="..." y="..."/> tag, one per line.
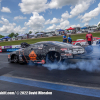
<point x="54" y="86"/>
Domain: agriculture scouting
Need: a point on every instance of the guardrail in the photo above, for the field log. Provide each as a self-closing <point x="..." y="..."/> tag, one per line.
<point x="9" y="48"/>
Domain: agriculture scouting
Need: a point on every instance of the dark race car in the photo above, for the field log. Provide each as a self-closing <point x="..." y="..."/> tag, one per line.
<point x="44" y="52"/>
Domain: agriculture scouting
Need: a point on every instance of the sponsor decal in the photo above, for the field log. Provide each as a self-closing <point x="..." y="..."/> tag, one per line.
<point x="10" y="50"/>
<point x="5" y="47"/>
<point x="32" y="56"/>
<point x="52" y="49"/>
<point x="16" y="46"/>
<point x="0" y="50"/>
<point x="42" y="62"/>
<point x="39" y="48"/>
<point x="63" y="54"/>
<point x="69" y="54"/>
<point x="63" y="49"/>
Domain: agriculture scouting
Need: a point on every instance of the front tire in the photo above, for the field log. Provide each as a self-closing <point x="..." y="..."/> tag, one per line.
<point x="15" y="59"/>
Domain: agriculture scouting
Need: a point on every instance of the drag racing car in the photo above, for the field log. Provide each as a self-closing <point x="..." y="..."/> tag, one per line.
<point x="44" y="52"/>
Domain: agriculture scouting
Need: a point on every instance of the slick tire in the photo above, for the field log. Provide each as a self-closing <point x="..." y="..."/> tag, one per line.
<point x="53" y="57"/>
<point x="15" y="59"/>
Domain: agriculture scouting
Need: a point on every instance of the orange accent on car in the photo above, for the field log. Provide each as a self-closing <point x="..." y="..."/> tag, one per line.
<point x="32" y="56"/>
<point x="43" y="61"/>
<point x="63" y="49"/>
<point x="25" y="57"/>
<point x="8" y="56"/>
<point x="69" y="54"/>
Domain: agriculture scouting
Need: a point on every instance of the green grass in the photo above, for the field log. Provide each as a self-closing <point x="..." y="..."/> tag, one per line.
<point x="57" y="38"/>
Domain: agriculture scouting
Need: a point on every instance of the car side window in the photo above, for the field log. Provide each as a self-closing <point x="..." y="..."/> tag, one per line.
<point x="45" y="45"/>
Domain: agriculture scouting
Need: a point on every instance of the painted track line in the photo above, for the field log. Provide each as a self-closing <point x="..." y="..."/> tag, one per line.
<point x="52" y="86"/>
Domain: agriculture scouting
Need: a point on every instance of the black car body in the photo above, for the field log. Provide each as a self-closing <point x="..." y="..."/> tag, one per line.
<point x="42" y="52"/>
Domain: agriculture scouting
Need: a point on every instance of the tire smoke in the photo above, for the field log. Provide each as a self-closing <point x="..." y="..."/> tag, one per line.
<point x="92" y="52"/>
<point x="90" y="66"/>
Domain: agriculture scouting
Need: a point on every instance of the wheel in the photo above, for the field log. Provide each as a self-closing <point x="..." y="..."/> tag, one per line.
<point x="53" y="57"/>
<point x="15" y="59"/>
<point x="78" y="44"/>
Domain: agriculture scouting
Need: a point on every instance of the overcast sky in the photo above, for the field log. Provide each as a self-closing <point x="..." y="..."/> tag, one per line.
<point x="23" y="16"/>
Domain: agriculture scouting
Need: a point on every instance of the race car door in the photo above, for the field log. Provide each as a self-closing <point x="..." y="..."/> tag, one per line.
<point x="30" y="53"/>
<point x="35" y="52"/>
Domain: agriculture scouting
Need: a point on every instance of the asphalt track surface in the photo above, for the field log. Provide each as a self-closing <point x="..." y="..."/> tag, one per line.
<point x="71" y="84"/>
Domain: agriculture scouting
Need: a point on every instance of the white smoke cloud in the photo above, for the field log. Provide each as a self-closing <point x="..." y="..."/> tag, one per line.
<point x="90" y="66"/>
<point x="84" y="65"/>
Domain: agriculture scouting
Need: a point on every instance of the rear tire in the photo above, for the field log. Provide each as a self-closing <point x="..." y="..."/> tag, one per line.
<point x="52" y="57"/>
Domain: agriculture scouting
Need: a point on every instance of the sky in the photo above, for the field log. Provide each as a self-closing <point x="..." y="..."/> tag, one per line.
<point x="22" y="16"/>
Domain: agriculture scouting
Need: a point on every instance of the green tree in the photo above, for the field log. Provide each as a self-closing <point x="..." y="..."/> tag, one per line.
<point x="36" y="32"/>
<point x="11" y="34"/>
<point x="1" y="36"/>
<point x="30" y="32"/>
<point x="16" y="34"/>
<point x="99" y="25"/>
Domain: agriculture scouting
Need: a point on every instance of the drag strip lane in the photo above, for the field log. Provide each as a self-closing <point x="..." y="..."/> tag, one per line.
<point x="54" y="86"/>
<point x="5" y="71"/>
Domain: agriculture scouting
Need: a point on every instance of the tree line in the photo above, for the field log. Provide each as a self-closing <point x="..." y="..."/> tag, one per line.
<point x="14" y="34"/>
<point x="10" y="35"/>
